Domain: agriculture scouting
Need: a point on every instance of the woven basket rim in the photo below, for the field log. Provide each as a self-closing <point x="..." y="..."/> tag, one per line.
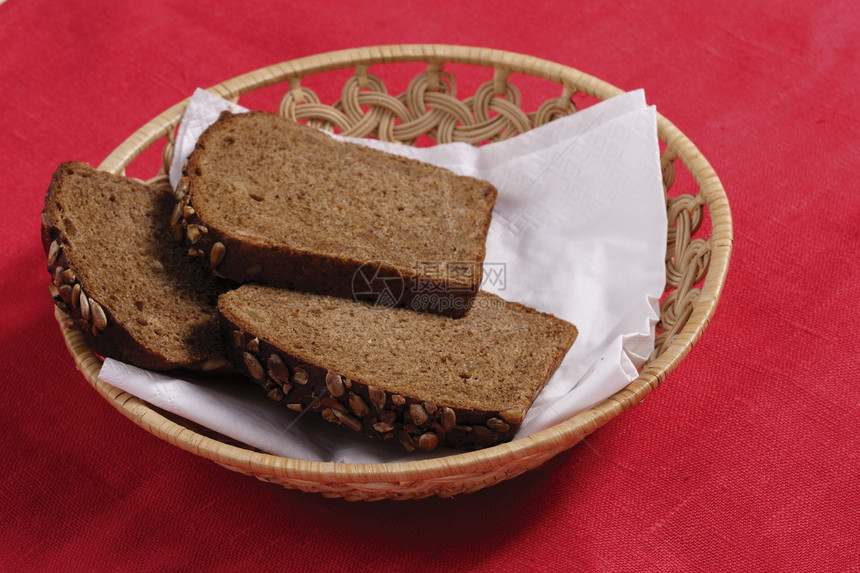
<point x="554" y="439"/>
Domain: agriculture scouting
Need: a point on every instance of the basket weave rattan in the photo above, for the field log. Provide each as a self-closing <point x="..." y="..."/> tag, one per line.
<point x="696" y="262"/>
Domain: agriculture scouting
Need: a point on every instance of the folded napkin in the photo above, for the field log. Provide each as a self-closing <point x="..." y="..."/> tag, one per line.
<point x="578" y="230"/>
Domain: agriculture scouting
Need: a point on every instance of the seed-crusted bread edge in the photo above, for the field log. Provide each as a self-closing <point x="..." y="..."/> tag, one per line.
<point x="105" y="336"/>
<point x="366" y="408"/>
<point x="241" y="260"/>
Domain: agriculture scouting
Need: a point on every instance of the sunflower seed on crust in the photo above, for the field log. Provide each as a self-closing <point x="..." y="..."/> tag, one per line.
<point x="255" y="369"/>
<point x="334" y="383"/>
<point x="418" y="414"/>
<point x="300" y="376"/>
<point x="358" y="405"/>
<point x="76" y="295"/>
<point x="85" y="306"/>
<point x="254" y="345"/>
<point x="383" y="427"/>
<point x="498" y="425"/>
<point x="350" y="422"/>
<point x="192" y="233"/>
<point x="68" y="276"/>
<point x="428" y="441"/>
<point x="295" y="407"/>
<point x="276" y="394"/>
<point x="512" y="415"/>
<point x="377" y="397"/>
<point x="65" y="292"/>
<point x="448" y="417"/>
<point x="98" y="314"/>
<point x="176" y="216"/>
<point x="54" y="252"/>
<point x="181" y="189"/>
<point x="278" y="370"/>
<point x="216" y="254"/>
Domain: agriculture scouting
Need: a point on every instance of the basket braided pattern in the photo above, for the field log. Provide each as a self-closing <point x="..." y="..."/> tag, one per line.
<point x="430" y="107"/>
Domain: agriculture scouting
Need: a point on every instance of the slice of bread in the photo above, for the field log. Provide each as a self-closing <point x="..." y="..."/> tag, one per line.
<point x="268" y="200"/>
<point x="423" y="379"/>
<point x="121" y="275"/>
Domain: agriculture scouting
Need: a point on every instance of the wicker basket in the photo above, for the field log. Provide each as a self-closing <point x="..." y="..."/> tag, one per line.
<point x="429" y="110"/>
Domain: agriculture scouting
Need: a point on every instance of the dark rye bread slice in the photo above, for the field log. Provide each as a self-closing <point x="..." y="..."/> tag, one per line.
<point x="420" y="378"/>
<point x="271" y="201"/>
<point x="121" y="275"/>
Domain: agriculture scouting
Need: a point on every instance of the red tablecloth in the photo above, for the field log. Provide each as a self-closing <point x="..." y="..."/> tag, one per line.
<point x="746" y="458"/>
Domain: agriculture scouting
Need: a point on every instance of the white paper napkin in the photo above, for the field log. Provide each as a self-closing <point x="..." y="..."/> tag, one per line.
<point x="578" y="230"/>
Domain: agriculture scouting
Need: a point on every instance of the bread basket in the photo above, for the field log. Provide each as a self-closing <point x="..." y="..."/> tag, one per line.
<point x="430" y="111"/>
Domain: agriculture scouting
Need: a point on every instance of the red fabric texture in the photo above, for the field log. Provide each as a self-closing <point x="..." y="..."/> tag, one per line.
<point x="746" y="457"/>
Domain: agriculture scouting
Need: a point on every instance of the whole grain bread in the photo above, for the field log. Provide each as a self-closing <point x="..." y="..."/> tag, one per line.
<point x="268" y="200"/>
<point x="118" y="271"/>
<point x="423" y="379"/>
